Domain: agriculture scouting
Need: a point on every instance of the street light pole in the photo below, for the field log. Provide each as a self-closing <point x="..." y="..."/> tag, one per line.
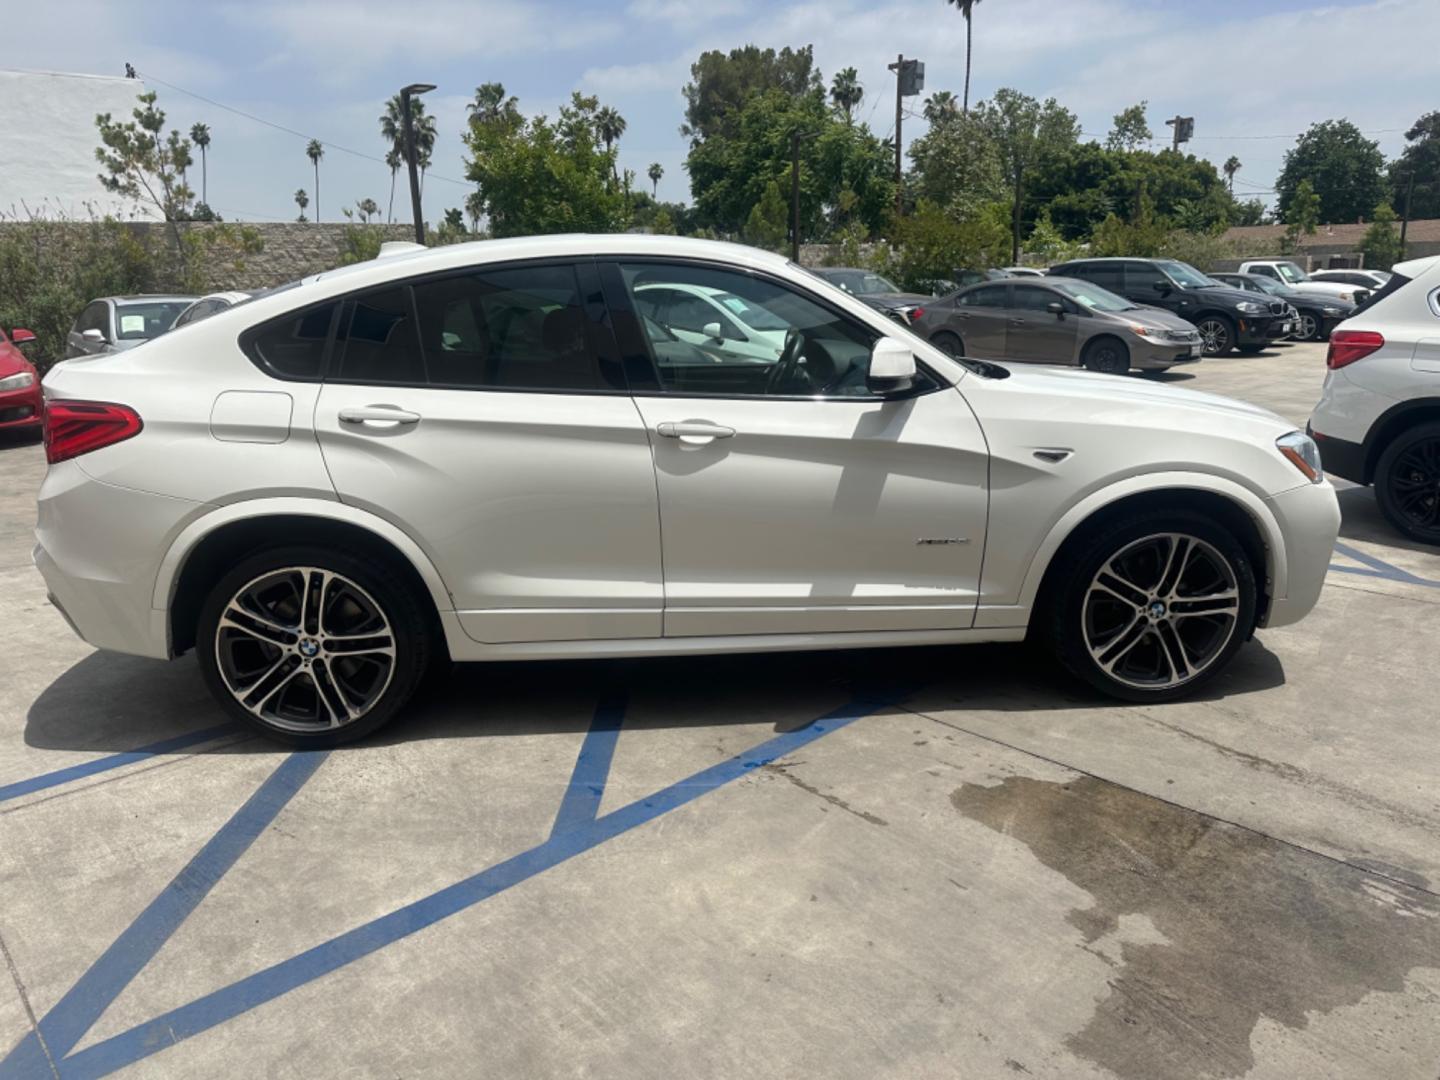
<point x="413" y="90"/>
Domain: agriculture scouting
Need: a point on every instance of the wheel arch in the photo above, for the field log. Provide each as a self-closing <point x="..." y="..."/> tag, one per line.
<point x="1240" y="509"/>
<point x="203" y="551"/>
<point x="1391" y="423"/>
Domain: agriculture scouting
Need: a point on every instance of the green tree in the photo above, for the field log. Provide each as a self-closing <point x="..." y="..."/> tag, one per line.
<point x="655" y="172"/>
<point x="928" y="245"/>
<point x="1130" y="129"/>
<point x="1025" y="132"/>
<point x="302" y="200"/>
<point x="1344" y="168"/>
<point x="1230" y="168"/>
<point x="366" y="208"/>
<point x="1381" y="242"/>
<point x="1301" y="216"/>
<point x="609" y="126"/>
<point x="721" y="84"/>
<point x="846" y="93"/>
<point x="956" y="163"/>
<point x="967" y="9"/>
<point x="538" y="176"/>
<point x="138" y="164"/>
<point x="315" y="150"/>
<point x="765" y="227"/>
<point x="200" y="136"/>
<point x="1249" y="212"/>
<point x="1419" y="160"/>
<point x="393" y="161"/>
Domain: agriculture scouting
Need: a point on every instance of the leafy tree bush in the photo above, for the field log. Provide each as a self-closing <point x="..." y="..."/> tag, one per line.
<point x="929" y="245"/>
<point x="1381" y="242"/>
<point x="1343" y="168"/>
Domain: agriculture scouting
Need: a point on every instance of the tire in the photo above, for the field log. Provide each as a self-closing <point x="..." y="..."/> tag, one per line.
<point x="1310" y="325"/>
<point x="1407" y="482"/>
<point x="257" y="659"/>
<point x="1127" y="648"/>
<point x="948" y="343"/>
<point x="1217" y="335"/>
<point x="1107" y="355"/>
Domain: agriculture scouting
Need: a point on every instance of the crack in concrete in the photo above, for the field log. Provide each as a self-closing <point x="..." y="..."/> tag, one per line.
<point x="781" y="769"/>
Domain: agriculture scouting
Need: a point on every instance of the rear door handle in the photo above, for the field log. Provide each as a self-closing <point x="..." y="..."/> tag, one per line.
<point x="378" y="416"/>
<point x="693" y="432"/>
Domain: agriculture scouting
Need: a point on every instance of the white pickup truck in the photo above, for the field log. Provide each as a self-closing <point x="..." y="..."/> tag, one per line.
<point x="1291" y="276"/>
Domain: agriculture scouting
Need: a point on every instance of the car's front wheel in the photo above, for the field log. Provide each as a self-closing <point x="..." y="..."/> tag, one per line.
<point x="1407" y="483"/>
<point x="1154" y="606"/>
<point x="1217" y="335"/>
<point x="1106" y="355"/>
<point x="312" y="647"/>
<point x="1309" y="327"/>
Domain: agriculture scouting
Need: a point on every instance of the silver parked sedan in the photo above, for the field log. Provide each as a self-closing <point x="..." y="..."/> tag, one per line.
<point x="1058" y="320"/>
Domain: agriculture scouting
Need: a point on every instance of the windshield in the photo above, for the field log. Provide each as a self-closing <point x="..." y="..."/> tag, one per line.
<point x="1269" y="285"/>
<point x="1092" y="296"/>
<point x="752" y="315"/>
<point x="1290" y="272"/>
<point x="860" y="282"/>
<point x="1183" y="274"/>
<point x="141" y="322"/>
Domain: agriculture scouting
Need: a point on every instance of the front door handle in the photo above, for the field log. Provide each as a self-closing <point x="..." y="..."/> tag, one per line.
<point x="693" y="432"/>
<point x="378" y="416"/>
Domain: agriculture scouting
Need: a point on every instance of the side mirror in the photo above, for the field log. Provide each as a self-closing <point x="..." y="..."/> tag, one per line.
<point x="93" y="335"/>
<point x="1054" y="307"/>
<point x="892" y="367"/>
<point x="712" y="331"/>
<point x="1162" y="287"/>
<point x="21" y="337"/>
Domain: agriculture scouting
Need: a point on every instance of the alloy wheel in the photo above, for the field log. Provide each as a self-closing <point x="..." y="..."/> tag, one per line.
<point x="1214" y="336"/>
<point x="1414" y="483"/>
<point x="1161" y="611"/>
<point x="305" y="649"/>
<point x="1309" y="327"/>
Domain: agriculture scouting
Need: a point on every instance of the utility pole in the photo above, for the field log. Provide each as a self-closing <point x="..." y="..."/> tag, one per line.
<point x="406" y="93"/>
<point x="1405" y="218"/>
<point x="899" y="70"/>
<point x="1184" y="127"/>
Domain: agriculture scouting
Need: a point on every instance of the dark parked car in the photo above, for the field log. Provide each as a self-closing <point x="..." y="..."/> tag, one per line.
<point x="1226" y="317"/>
<point x="1318" y="314"/>
<point x="876" y="290"/>
<point x="1056" y="320"/>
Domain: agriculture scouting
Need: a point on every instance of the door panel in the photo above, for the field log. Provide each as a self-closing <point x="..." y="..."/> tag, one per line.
<point x="1035" y="334"/>
<point x="980" y="318"/>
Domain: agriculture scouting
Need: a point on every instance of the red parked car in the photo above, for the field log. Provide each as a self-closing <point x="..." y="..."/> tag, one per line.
<point x="21" y="406"/>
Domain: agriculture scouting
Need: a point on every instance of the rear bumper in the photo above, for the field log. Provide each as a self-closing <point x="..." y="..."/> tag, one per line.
<point x="1309" y="520"/>
<point x="98" y="549"/>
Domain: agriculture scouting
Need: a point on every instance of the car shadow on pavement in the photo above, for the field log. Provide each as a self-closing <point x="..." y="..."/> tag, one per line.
<point x="111" y="703"/>
<point x="1361" y="519"/>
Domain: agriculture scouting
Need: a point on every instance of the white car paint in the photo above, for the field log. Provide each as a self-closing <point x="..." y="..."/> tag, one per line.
<point x="560" y="524"/>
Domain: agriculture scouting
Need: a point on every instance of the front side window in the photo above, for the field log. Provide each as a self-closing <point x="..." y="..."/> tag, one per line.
<point x="1183" y="274"/>
<point x="378" y="342"/>
<point x="1034" y="298"/>
<point x="796" y="348"/>
<point x="1142" y="279"/>
<point x="1107" y="275"/>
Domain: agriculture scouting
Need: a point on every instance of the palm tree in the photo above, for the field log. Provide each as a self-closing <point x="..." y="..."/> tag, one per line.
<point x="966" y="8"/>
<point x="392" y="129"/>
<point x="394" y="160"/>
<point x="655" y="172"/>
<point x="609" y="125"/>
<point x="315" y="151"/>
<point x="367" y="209"/>
<point x="474" y="207"/>
<point x="424" y="140"/>
<point x="940" y="106"/>
<point x="846" y="91"/>
<point x="302" y="200"/>
<point x="1231" y="167"/>
<point x="200" y="136"/>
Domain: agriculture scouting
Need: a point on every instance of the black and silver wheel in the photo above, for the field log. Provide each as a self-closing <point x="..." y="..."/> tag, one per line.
<point x="1107" y="356"/>
<point x="948" y="343"/>
<point x="1217" y="335"/>
<point x="312" y="648"/>
<point x="1309" y="327"/>
<point x="1155" y="606"/>
<point x="1407" y="483"/>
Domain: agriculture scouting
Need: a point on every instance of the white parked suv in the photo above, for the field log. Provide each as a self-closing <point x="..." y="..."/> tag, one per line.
<point x="1378" y="421"/>
<point x="471" y="452"/>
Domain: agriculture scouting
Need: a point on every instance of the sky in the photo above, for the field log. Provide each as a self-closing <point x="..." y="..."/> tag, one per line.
<point x="1253" y="73"/>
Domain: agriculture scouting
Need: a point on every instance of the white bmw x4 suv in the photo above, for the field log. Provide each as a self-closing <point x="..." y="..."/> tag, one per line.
<point x="483" y="452"/>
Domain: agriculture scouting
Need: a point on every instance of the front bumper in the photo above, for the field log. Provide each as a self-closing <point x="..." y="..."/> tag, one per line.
<point x="1261" y="329"/>
<point x="22" y="409"/>
<point x="1309" y="520"/>
<point x="1158" y="355"/>
<point x="99" y="549"/>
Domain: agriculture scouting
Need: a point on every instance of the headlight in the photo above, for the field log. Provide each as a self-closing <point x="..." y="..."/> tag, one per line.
<point x="17" y="382"/>
<point x="1249" y="307"/>
<point x="1300" y="450"/>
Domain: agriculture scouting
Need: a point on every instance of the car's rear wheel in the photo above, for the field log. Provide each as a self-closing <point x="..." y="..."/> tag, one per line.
<point x="1309" y="327"/>
<point x="1407" y="483"/>
<point x="312" y="647"/>
<point x="1152" y="607"/>
<point x="1106" y="355"/>
<point x="948" y="343"/>
<point x="1217" y="335"/>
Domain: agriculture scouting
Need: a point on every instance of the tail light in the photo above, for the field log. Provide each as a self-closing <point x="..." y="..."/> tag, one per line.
<point x="1347" y="346"/>
<point x="73" y="428"/>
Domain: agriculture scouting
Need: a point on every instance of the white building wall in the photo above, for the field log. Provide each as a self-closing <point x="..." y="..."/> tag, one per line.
<point x="48" y="141"/>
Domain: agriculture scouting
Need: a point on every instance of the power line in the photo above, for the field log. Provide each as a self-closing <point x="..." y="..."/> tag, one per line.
<point x="429" y="174"/>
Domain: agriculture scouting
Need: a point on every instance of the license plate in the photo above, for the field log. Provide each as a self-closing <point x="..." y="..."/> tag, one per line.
<point x="1195" y="351"/>
<point x="1290" y="328"/>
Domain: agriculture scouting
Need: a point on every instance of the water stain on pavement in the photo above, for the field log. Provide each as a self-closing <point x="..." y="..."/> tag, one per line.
<point x="1251" y="927"/>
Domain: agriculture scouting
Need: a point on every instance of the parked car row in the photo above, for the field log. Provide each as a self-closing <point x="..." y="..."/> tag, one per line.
<point x="116" y="323"/>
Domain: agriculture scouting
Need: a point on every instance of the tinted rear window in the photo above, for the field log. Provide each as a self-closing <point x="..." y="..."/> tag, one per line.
<point x="293" y="346"/>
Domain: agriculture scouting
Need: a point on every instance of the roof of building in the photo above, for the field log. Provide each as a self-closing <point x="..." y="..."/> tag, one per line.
<point x="1422" y="230"/>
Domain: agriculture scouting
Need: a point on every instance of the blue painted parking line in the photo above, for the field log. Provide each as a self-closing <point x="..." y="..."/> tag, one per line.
<point x="582" y="832"/>
<point x="113" y="761"/>
<point x="74" y="1014"/>
<point x="1378" y="568"/>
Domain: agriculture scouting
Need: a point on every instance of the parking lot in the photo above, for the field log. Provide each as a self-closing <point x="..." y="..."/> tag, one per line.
<point x="911" y="863"/>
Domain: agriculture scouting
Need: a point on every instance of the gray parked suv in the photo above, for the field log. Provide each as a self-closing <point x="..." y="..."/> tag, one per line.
<point x="1058" y="320"/>
<point x="116" y="323"/>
